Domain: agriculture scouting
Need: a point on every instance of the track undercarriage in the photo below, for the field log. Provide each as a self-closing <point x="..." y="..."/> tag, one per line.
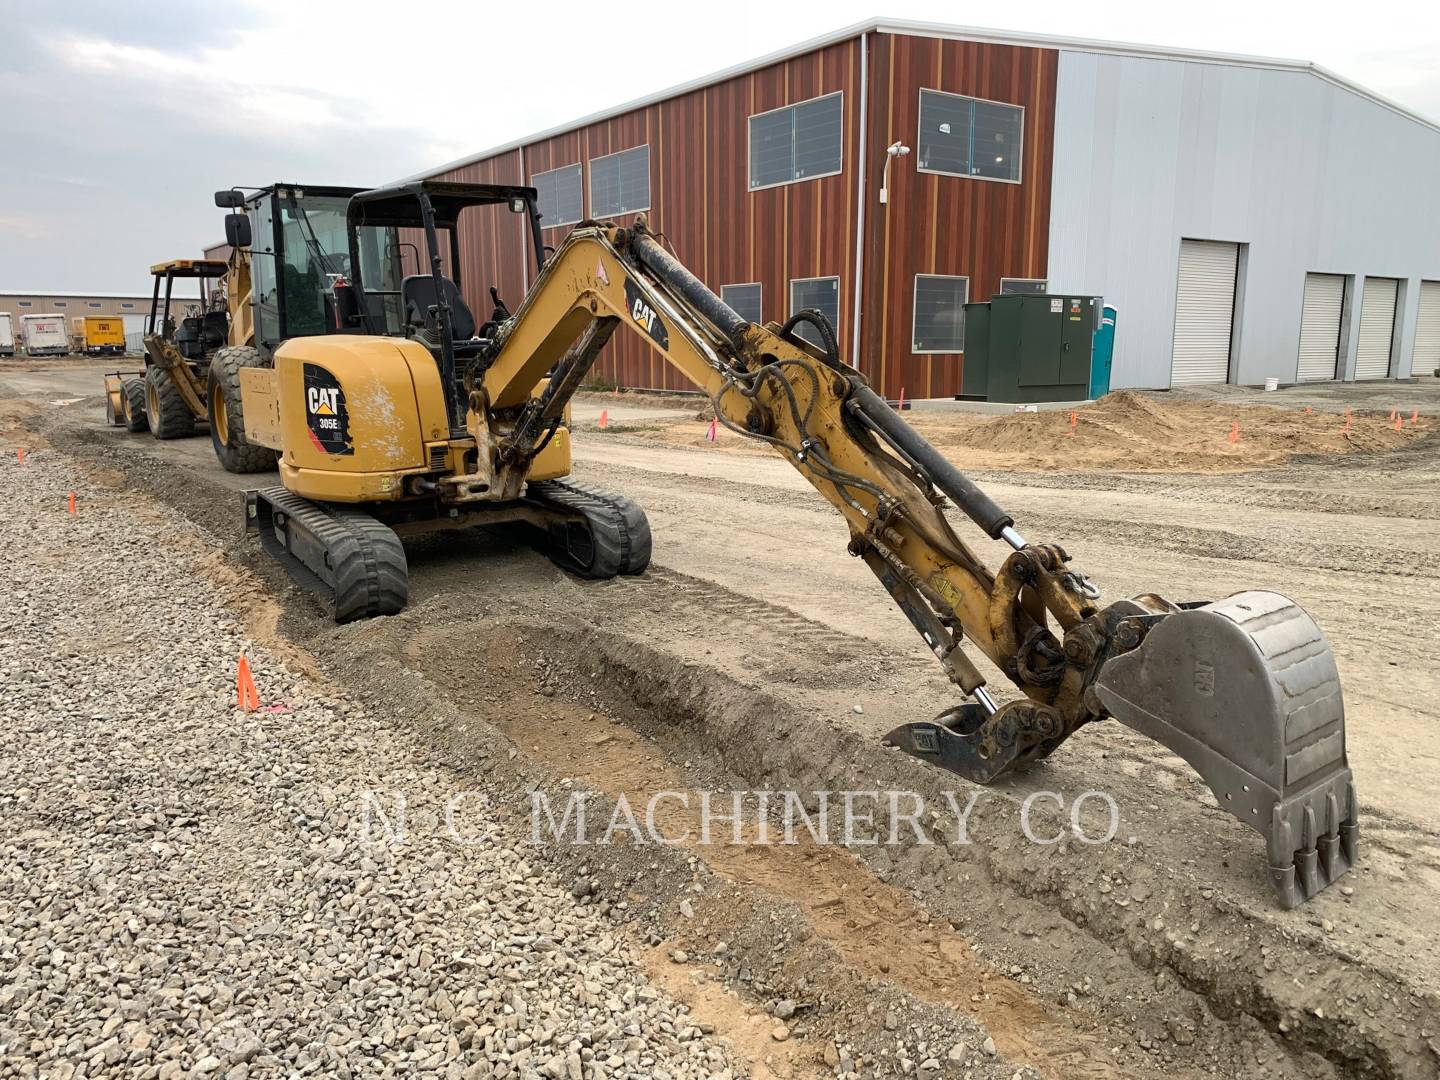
<point x="355" y="560"/>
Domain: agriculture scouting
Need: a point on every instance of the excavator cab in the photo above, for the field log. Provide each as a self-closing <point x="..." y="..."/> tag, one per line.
<point x="429" y="305"/>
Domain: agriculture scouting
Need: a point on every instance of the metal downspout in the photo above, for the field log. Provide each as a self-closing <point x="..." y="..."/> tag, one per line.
<point x="860" y="200"/>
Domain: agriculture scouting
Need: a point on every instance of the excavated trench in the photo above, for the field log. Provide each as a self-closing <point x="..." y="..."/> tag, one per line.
<point x="1076" y="959"/>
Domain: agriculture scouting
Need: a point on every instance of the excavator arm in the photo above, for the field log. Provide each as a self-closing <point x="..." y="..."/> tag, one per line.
<point x="1246" y="689"/>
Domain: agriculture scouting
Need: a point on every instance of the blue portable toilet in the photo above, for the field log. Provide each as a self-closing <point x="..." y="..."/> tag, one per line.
<point x="1102" y="348"/>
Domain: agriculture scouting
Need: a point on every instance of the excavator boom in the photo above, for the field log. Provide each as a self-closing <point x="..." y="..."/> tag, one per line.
<point x="1245" y="689"/>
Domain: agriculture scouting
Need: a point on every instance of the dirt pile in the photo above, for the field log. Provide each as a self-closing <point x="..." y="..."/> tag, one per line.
<point x="1125" y="431"/>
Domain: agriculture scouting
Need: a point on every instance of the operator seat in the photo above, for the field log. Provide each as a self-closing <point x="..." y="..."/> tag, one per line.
<point x="188" y="341"/>
<point x="417" y="292"/>
<point x="214" y="330"/>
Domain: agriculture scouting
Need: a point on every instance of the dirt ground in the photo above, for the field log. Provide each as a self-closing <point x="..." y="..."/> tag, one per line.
<point x="1127" y="430"/>
<point x="756" y="653"/>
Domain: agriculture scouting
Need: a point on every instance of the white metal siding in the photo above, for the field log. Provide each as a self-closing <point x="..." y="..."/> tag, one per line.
<point x="1204" y="309"/>
<point x="1320" y="326"/>
<point x="1427" y="329"/>
<point x="1377" y="327"/>
<point x="1148" y="151"/>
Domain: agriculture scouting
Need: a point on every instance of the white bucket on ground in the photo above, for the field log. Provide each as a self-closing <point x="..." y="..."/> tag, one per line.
<point x="1272" y="384"/>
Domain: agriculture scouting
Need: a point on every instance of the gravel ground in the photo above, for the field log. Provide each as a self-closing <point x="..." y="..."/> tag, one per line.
<point x="187" y="889"/>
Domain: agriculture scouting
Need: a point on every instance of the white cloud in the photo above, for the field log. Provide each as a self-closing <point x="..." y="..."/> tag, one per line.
<point x="19" y="225"/>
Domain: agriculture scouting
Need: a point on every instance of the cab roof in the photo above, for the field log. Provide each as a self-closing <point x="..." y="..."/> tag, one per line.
<point x="191" y="268"/>
<point x="399" y="204"/>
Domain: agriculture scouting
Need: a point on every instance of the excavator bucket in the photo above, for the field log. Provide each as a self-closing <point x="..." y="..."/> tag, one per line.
<point x="1246" y="690"/>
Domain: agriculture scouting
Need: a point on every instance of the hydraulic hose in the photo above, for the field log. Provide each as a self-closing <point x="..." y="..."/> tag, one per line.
<point x="817" y="319"/>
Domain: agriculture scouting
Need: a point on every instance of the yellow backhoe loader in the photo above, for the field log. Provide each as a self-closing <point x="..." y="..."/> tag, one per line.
<point x="411" y="417"/>
<point x="168" y="396"/>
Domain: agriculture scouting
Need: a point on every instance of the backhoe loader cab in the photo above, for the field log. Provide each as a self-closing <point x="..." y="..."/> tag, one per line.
<point x="298" y="243"/>
<point x="291" y="252"/>
<point x="186" y="325"/>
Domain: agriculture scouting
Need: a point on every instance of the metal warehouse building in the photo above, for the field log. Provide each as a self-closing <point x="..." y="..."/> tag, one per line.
<point x="132" y="309"/>
<point x="1249" y="218"/>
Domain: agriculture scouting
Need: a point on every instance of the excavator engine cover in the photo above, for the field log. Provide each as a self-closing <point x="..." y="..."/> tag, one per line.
<point x="357" y="414"/>
<point x="1246" y="690"/>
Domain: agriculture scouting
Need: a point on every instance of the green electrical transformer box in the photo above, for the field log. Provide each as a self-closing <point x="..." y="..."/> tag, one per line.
<point x="1027" y="347"/>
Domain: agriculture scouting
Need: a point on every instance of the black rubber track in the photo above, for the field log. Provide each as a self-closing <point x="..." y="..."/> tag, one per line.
<point x="371" y="574"/>
<point x="132" y="401"/>
<point x="237" y="454"/>
<point x="168" y="415"/>
<point x="366" y="572"/>
<point x="612" y="538"/>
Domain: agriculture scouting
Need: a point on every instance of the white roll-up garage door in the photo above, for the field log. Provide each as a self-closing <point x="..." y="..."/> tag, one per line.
<point x="1204" y="308"/>
<point x="1377" y="325"/>
<point x="1427" y="330"/>
<point x="1320" y="326"/>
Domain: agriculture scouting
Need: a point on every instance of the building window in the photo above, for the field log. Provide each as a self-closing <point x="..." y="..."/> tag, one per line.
<point x="939" y="313"/>
<point x="26" y="303"/>
<point x="962" y="136"/>
<point x="620" y="183"/>
<point x="127" y="305"/>
<point x="821" y="293"/>
<point x="60" y="303"/>
<point x="744" y="300"/>
<point x="1011" y="285"/>
<point x="94" y="304"/>
<point x="558" y="196"/>
<point x="796" y="142"/>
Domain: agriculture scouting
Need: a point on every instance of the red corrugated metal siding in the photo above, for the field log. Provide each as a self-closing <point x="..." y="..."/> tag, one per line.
<point x="700" y="200"/>
<point x="948" y="224"/>
<point x="728" y="235"/>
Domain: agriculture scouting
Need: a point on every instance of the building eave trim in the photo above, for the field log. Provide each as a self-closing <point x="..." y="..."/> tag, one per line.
<point x="910" y="28"/>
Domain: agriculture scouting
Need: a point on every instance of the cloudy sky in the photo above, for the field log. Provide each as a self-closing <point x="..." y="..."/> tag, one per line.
<point x="118" y="120"/>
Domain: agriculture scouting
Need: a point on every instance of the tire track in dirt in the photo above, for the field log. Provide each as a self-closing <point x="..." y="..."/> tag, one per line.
<point x="1290" y="551"/>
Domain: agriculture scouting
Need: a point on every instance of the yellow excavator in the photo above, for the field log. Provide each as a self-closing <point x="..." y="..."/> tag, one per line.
<point x="410" y="416"/>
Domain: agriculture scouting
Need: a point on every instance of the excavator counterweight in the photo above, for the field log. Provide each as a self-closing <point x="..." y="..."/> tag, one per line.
<point x="440" y="423"/>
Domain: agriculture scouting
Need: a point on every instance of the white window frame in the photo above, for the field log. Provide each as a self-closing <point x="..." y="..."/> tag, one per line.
<point x="915" y="310"/>
<point x="799" y="179"/>
<point x="1032" y="280"/>
<point x="745" y="285"/>
<point x="1020" y="167"/>
<point x="583" y="192"/>
<point x="589" y="192"/>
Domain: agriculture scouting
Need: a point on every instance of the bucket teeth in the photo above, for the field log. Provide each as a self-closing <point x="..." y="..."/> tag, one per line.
<point x="1246" y="690"/>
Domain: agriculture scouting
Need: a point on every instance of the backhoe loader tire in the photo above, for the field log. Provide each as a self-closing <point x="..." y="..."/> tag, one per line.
<point x="165" y="410"/>
<point x="226" y="410"/>
<point x="132" y="405"/>
<point x="613" y="538"/>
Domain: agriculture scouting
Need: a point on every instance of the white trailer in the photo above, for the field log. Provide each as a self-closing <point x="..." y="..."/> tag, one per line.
<point x="44" y="335"/>
<point x="7" y="335"/>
